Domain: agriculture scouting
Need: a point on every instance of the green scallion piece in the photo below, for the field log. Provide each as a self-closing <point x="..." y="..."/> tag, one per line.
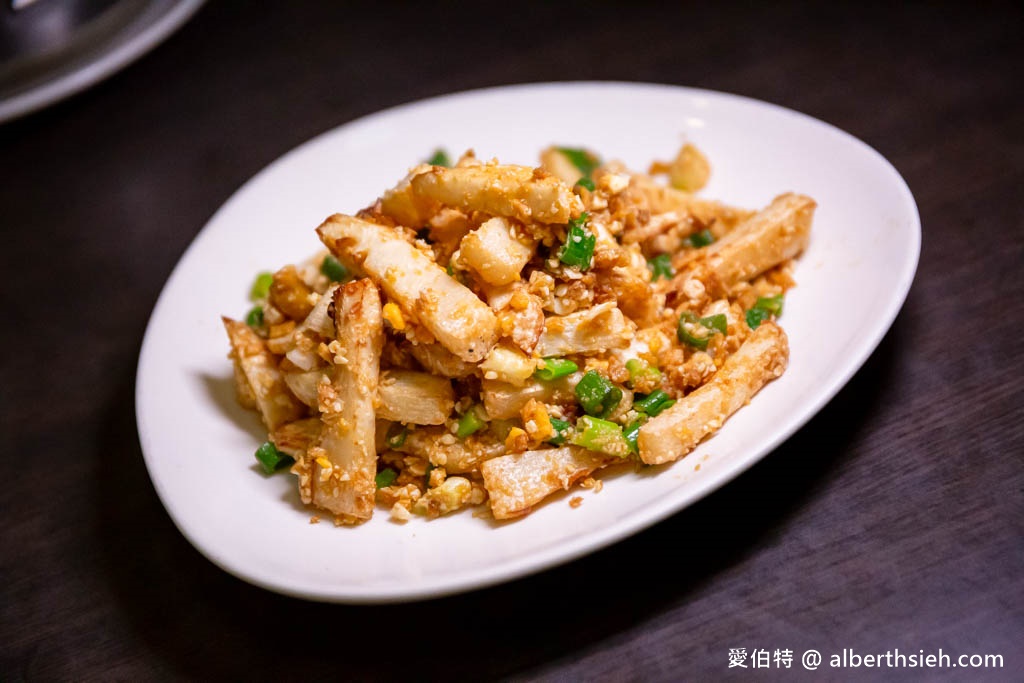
<point x="690" y="331"/>
<point x="385" y="478"/>
<point x="271" y="459"/>
<point x="650" y="401"/>
<point x="764" y="308"/>
<point x="697" y="331"/>
<point x="562" y="428"/>
<point x="663" y="406"/>
<point x="603" y="436"/>
<point x="586" y="182"/>
<point x="639" y="370"/>
<point x="772" y="304"/>
<point x="426" y="474"/>
<point x="661" y="266"/>
<point x="332" y="268"/>
<point x="756" y="316"/>
<point x="632" y="432"/>
<point x="716" y="322"/>
<point x="597" y="395"/>
<point x="255" y="317"/>
<point x="261" y="286"/>
<point x="654" y="403"/>
<point x="440" y="158"/>
<point x="578" y="249"/>
<point x="470" y="422"/>
<point x="396" y="435"/>
<point x="699" y="239"/>
<point x="584" y="161"/>
<point x="553" y="368"/>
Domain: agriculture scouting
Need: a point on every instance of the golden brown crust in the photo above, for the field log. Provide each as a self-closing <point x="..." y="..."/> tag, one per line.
<point x="675" y="432"/>
<point x="276" y="404"/>
<point x="519" y="481"/>
<point x="344" y="461"/>
<point x="426" y="369"/>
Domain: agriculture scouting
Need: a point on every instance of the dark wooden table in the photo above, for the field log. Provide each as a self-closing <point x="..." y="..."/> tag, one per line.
<point x="892" y="520"/>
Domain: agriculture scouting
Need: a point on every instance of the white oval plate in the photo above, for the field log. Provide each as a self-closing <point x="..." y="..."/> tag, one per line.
<point x="199" y="445"/>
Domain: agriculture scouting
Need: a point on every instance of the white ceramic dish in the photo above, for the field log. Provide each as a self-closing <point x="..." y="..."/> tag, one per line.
<point x="198" y="444"/>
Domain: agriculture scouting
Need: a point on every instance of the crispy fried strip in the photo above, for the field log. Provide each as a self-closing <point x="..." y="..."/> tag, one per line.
<point x="597" y="328"/>
<point x="518" y="481"/>
<point x="414" y="397"/>
<point x="438" y="360"/>
<point x="243" y="391"/>
<point x="346" y="485"/>
<point x="775" y="234"/>
<point x="519" y="192"/>
<point x="443" y="449"/>
<point x="275" y="403"/>
<point x="664" y="199"/>
<point x="460" y="321"/>
<point x="296" y="438"/>
<point x="674" y="433"/>
<point x="493" y="252"/>
<point x="503" y="400"/>
<point x="404" y="206"/>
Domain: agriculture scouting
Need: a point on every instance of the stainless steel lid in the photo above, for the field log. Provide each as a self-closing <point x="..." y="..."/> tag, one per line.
<point x="50" y="49"/>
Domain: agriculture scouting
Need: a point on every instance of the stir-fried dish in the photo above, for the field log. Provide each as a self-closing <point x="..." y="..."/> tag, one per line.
<point x="489" y="333"/>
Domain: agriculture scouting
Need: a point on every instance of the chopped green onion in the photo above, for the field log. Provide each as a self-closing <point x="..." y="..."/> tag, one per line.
<point x="597" y="395"/>
<point x="450" y="269"/>
<point x="553" y="368"/>
<point x="716" y="322"/>
<point x="439" y="158"/>
<point x="332" y="268"/>
<point x="385" y="478"/>
<point x="654" y="403"/>
<point x="470" y="422"/>
<point x="579" y="244"/>
<point x="699" y="239"/>
<point x="756" y="316"/>
<point x="426" y="475"/>
<point x="661" y="266"/>
<point x="639" y="369"/>
<point x="271" y="459"/>
<point x="631" y="432"/>
<point x="600" y="435"/>
<point x="650" y="401"/>
<point x="584" y="161"/>
<point x="255" y="317"/>
<point x="396" y="435"/>
<point x="763" y="309"/>
<point x="561" y="428"/>
<point x="261" y="286"/>
<point x="772" y="304"/>
<point x="664" y="405"/>
<point x="586" y="182"/>
<point x="688" y="332"/>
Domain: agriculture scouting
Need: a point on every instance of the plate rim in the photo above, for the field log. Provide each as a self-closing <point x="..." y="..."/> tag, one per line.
<point x="593" y="541"/>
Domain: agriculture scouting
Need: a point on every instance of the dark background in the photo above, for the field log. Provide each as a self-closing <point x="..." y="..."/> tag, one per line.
<point x="892" y="520"/>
